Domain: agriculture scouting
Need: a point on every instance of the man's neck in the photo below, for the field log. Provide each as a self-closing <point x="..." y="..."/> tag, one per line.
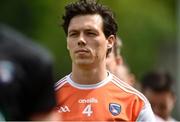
<point x="89" y="76"/>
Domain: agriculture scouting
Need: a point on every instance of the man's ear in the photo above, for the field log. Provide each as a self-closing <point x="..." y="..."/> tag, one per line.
<point x="111" y="40"/>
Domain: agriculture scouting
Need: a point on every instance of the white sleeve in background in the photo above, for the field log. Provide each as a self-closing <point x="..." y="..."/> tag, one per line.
<point x="146" y="114"/>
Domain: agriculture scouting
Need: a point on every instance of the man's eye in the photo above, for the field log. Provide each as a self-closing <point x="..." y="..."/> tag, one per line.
<point x="72" y="34"/>
<point x="91" y="33"/>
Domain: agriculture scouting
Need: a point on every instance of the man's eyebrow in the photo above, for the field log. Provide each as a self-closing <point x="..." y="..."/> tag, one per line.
<point x="72" y="30"/>
<point x="91" y="29"/>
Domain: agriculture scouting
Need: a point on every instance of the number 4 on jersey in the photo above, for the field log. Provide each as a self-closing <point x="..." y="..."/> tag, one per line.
<point x="88" y="110"/>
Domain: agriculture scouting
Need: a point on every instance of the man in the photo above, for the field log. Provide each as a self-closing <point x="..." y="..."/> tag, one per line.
<point x="90" y="92"/>
<point x="26" y="79"/>
<point x="157" y="87"/>
<point x="116" y="65"/>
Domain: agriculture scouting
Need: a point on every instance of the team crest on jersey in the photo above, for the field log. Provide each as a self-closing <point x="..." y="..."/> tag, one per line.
<point x="115" y="109"/>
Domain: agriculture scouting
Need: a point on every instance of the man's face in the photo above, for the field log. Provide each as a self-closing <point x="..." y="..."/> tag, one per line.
<point x="86" y="41"/>
<point x="162" y="102"/>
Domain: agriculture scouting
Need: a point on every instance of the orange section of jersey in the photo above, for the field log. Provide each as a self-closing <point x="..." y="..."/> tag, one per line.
<point x="114" y="101"/>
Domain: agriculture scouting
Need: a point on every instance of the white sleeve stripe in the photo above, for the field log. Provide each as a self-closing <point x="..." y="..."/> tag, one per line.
<point x="122" y="82"/>
<point x="129" y="89"/>
<point x="59" y="82"/>
<point x="60" y="85"/>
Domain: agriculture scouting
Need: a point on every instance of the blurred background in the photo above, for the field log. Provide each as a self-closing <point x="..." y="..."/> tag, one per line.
<point x="149" y="30"/>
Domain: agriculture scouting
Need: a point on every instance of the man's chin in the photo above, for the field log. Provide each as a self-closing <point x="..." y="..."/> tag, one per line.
<point x="84" y="63"/>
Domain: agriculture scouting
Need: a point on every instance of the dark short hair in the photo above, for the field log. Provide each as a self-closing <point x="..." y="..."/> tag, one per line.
<point x="86" y="7"/>
<point x="157" y="81"/>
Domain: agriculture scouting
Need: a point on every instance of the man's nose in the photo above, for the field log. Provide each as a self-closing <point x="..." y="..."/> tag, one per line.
<point x="81" y="40"/>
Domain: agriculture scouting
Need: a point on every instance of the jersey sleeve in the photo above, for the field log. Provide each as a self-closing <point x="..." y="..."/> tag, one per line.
<point x="146" y="114"/>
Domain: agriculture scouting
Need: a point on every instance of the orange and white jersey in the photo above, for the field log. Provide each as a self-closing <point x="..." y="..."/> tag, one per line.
<point x="108" y="100"/>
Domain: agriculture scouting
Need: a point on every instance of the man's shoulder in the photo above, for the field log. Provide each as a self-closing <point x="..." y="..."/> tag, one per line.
<point x="130" y="91"/>
<point x="60" y="83"/>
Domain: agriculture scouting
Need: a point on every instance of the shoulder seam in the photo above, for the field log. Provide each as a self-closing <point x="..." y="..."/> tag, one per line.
<point x="128" y="88"/>
<point x="60" y="85"/>
<point x="59" y="82"/>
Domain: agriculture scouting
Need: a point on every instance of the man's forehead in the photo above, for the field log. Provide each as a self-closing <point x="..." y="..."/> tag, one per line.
<point x="95" y="18"/>
<point x="85" y="22"/>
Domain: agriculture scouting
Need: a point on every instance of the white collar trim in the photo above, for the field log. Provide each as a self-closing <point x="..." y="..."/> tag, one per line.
<point x="90" y="86"/>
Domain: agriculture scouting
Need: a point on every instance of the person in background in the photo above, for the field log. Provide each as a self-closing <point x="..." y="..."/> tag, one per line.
<point x="157" y="86"/>
<point x="90" y="92"/>
<point x="26" y="79"/>
<point x="116" y="65"/>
